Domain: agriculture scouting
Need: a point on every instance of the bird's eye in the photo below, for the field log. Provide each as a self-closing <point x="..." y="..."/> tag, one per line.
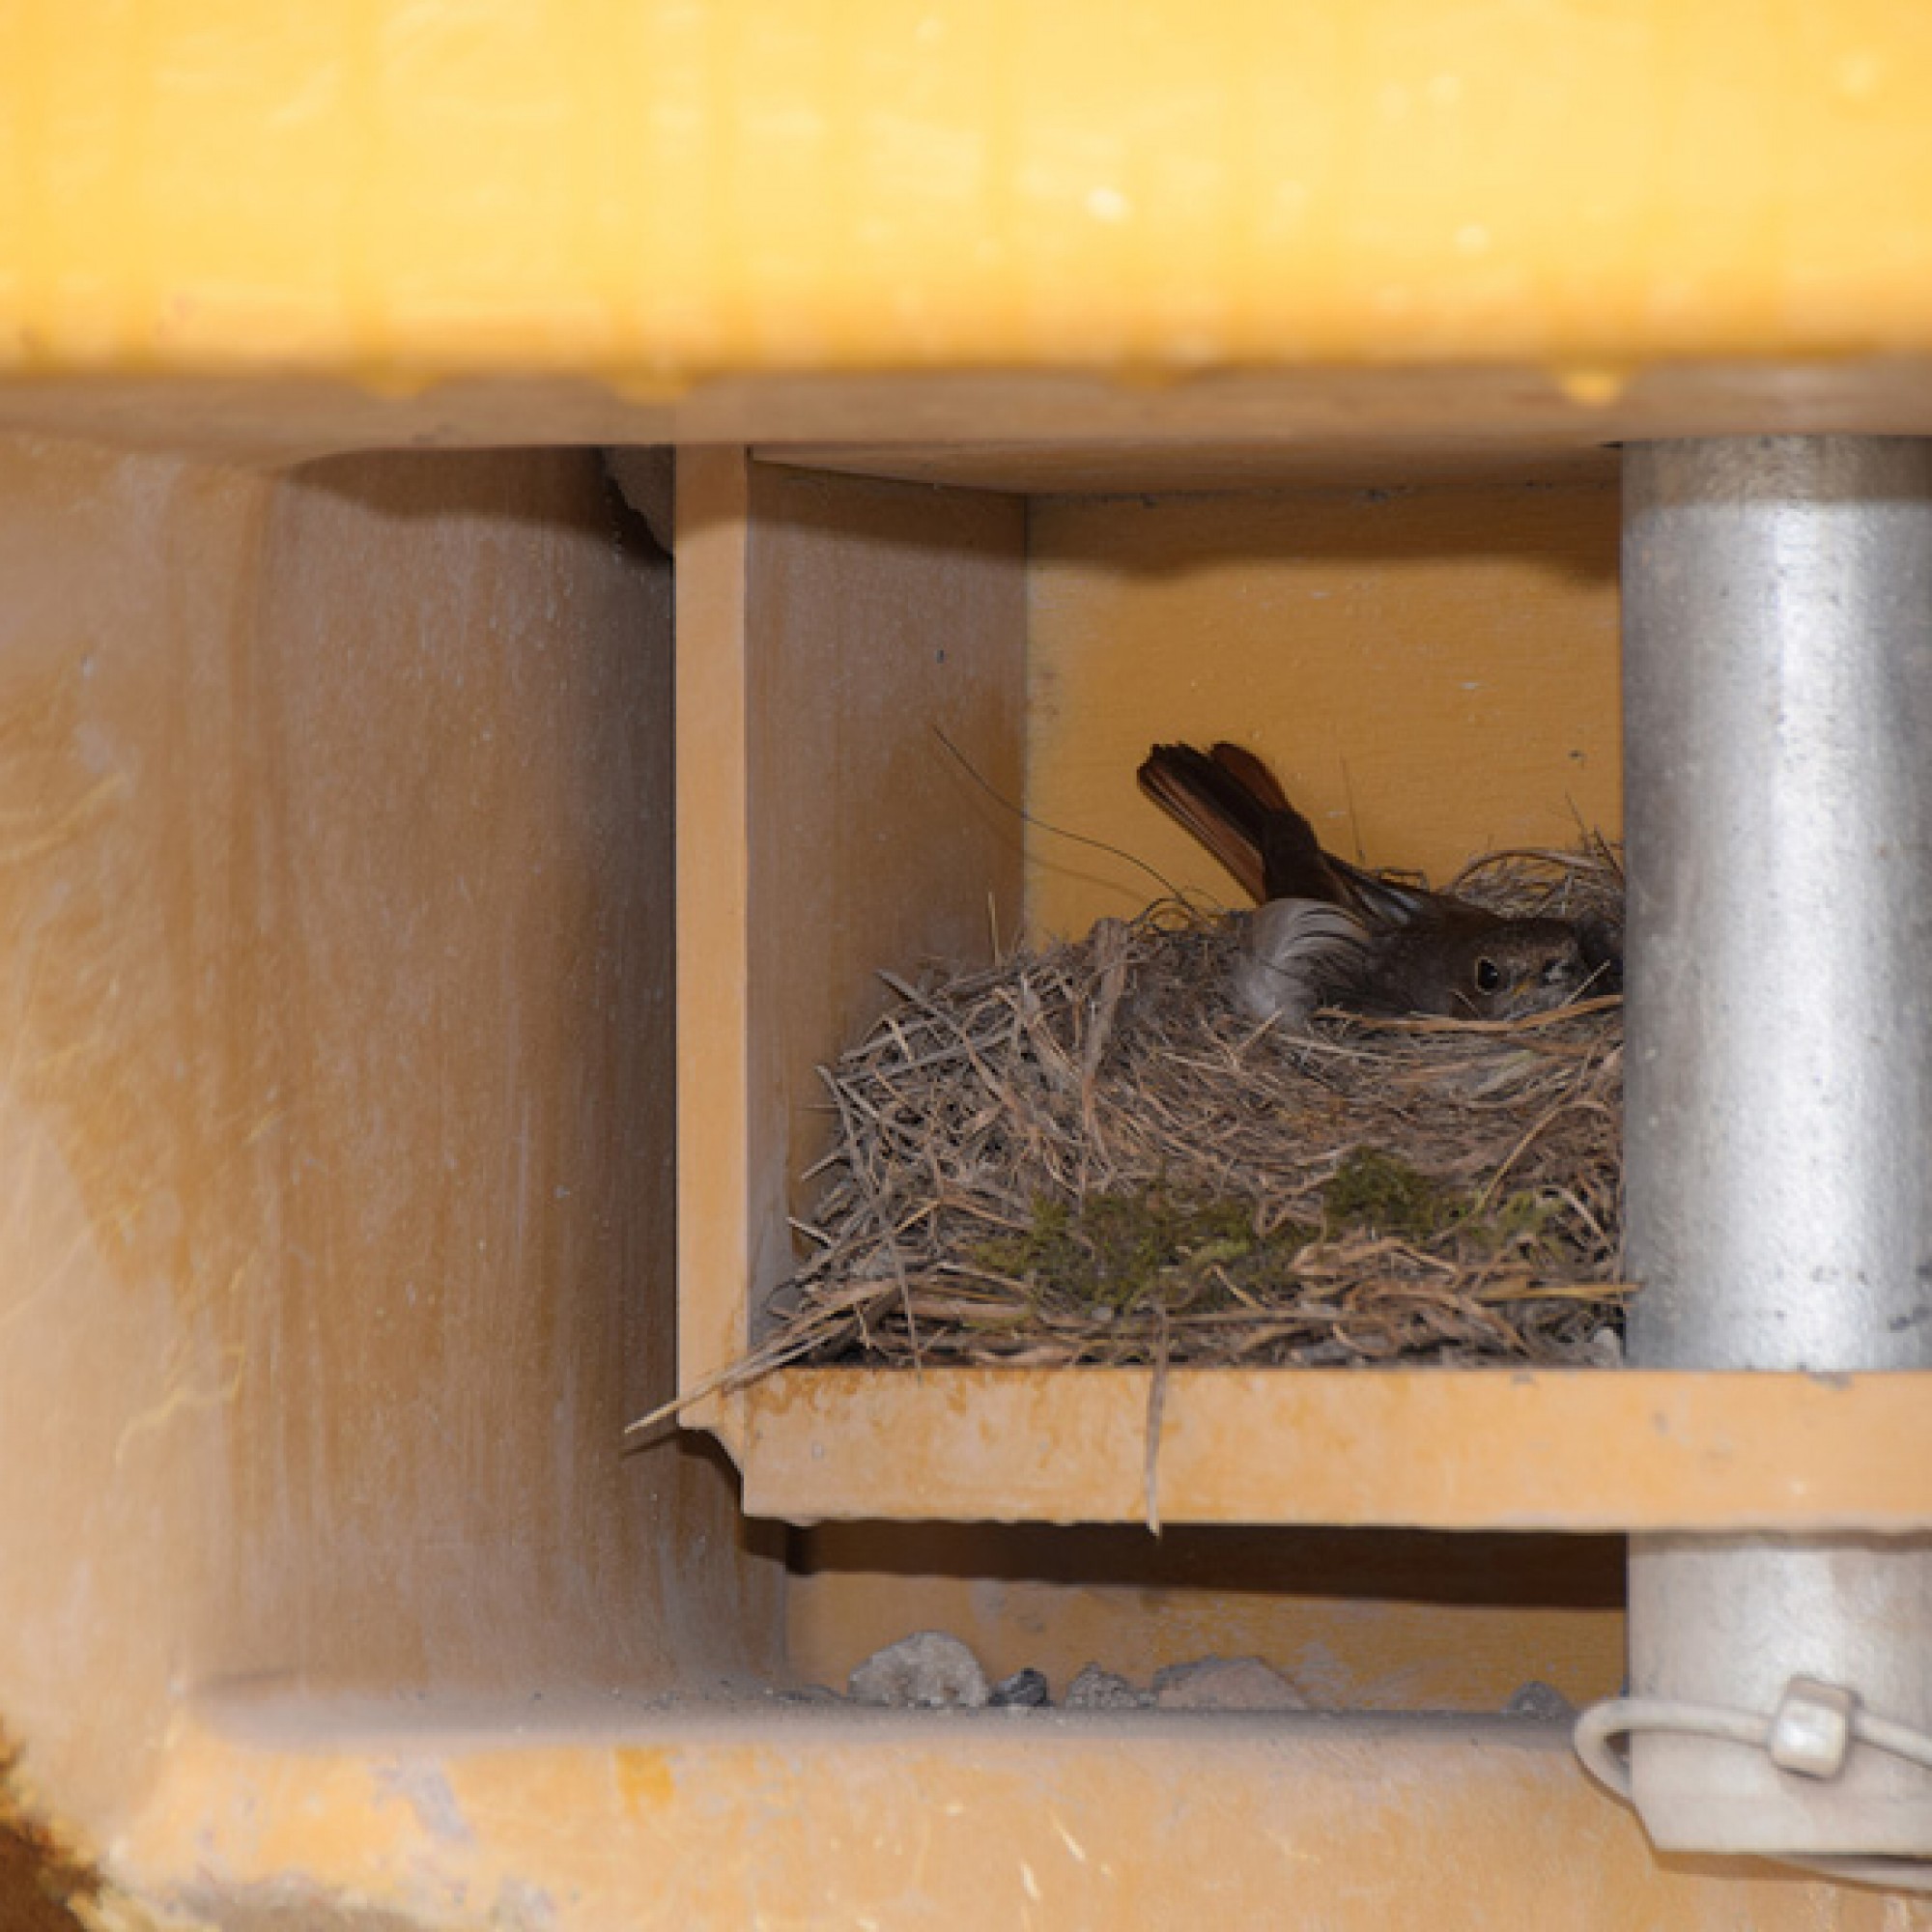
<point x="1489" y="976"/>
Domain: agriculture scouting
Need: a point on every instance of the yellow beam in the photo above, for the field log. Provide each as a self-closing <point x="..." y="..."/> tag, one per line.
<point x="962" y="1820"/>
<point x="1435" y="1449"/>
<point x="655" y="193"/>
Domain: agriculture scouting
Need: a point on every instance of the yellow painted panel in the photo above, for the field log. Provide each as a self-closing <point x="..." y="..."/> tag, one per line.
<point x="828" y="627"/>
<point x="1433" y="672"/>
<point x="962" y="1820"/>
<point x="1442" y="1449"/>
<point x="335" y="1175"/>
<point x="1011" y="429"/>
<point x="662" y="190"/>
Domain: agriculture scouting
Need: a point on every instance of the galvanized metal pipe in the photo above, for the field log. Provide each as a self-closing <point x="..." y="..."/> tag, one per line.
<point x="1778" y="667"/>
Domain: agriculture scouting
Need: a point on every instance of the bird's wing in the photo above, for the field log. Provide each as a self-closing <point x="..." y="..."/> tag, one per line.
<point x="1296" y="955"/>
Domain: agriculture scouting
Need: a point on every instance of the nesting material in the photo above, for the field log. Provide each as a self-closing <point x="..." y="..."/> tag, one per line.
<point x="1086" y="1156"/>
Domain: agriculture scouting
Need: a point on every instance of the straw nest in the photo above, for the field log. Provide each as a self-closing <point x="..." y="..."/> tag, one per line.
<point x="1085" y="1155"/>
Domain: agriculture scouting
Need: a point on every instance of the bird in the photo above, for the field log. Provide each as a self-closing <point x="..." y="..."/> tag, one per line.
<point x="1327" y="933"/>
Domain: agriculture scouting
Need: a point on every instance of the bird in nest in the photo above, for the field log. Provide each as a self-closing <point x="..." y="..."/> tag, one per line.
<point x="1327" y="933"/>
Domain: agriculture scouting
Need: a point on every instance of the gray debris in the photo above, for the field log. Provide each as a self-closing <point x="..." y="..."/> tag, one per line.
<point x="926" y="1671"/>
<point x="1226" y="1683"/>
<point x="1097" y="1689"/>
<point x="1024" y="1690"/>
<point x="1537" y="1699"/>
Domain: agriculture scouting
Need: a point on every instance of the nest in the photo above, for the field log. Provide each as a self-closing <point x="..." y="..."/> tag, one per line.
<point x="1086" y="1156"/>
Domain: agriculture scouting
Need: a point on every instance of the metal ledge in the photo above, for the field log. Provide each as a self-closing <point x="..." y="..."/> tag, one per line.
<point x="1437" y="1449"/>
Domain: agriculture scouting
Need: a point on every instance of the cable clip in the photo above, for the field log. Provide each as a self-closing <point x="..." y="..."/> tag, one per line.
<point x="1811" y="1729"/>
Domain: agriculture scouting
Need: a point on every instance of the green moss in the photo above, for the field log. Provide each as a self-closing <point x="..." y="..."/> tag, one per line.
<point x="1379" y="1193"/>
<point x="1148" y="1246"/>
<point x="1161" y="1247"/>
<point x="1522" y="1219"/>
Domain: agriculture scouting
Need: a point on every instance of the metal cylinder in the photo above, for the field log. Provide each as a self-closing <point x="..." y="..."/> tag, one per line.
<point x="1778" y="677"/>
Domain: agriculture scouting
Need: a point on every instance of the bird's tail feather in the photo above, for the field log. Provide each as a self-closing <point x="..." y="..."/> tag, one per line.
<point x="1234" y="805"/>
<point x="1215" y="805"/>
<point x="1253" y="776"/>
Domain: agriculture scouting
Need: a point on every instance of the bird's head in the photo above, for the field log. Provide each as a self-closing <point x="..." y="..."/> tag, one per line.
<point x="1517" y="966"/>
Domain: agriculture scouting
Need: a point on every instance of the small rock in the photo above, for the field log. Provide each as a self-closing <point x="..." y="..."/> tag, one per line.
<point x="1024" y="1690"/>
<point x="1537" y="1699"/>
<point x="1097" y="1689"/>
<point x="1225" y="1684"/>
<point x="926" y="1671"/>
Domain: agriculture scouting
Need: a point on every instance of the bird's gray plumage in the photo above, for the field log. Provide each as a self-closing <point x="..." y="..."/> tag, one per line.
<point x="1329" y="934"/>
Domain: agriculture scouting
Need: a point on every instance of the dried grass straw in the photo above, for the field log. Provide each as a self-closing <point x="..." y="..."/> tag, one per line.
<point x="1086" y="1156"/>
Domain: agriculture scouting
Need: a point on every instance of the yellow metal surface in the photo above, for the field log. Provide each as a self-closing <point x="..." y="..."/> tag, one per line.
<point x="713" y="1022"/>
<point x="970" y="1820"/>
<point x="1009" y="429"/>
<point x="831" y="631"/>
<point x="335" y="1232"/>
<point x="651" y="193"/>
<point x="1479" y="1449"/>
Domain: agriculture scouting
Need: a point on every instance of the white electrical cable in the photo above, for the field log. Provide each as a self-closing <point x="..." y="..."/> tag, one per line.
<point x="1620" y="1716"/>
